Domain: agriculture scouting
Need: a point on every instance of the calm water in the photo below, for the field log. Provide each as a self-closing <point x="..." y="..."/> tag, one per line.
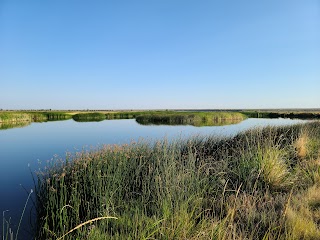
<point x="40" y="142"/>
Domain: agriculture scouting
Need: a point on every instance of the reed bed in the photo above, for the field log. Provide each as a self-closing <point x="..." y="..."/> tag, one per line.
<point x="87" y="117"/>
<point x="260" y="184"/>
<point x="191" y="118"/>
<point x="306" y="114"/>
<point x="126" y="115"/>
<point x="20" y="117"/>
<point x="213" y="122"/>
<point x="12" y="117"/>
<point x="49" y="116"/>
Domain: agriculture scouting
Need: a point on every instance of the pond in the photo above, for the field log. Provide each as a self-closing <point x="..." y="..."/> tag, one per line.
<point x="26" y="149"/>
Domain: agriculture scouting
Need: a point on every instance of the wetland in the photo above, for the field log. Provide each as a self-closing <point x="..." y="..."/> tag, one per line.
<point x="167" y="171"/>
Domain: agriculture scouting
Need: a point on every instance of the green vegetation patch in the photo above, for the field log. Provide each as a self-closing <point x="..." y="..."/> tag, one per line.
<point x="260" y="184"/>
<point x="85" y="117"/>
<point x="191" y="118"/>
<point x="130" y="114"/>
<point x="8" y="117"/>
<point x="282" y="114"/>
<point x="49" y="116"/>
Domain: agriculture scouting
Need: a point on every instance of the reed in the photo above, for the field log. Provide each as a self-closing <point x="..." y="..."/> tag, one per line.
<point x="22" y="117"/>
<point x="7" y="232"/>
<point x="306" y="114"/>
<point x="13" y="117"/>
<point x="87" y="117"/>
<point x="191" y="118"/>
<point x="251" y="186"/>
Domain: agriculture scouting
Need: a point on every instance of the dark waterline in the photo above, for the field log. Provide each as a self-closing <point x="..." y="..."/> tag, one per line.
<point x="38" y="143"/>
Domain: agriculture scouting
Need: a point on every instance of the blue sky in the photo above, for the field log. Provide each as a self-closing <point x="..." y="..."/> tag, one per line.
<point x="159" y="54"/>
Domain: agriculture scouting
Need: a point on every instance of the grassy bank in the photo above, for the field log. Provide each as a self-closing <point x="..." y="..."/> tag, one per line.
<point x="147" y="117"/>
<point x="89" y="117"/>
<point x="49" y="116"/>
<point x="20" y="117"/>
<point x="13" y="117"/>
<point x="179" y="117"/>
<point x="190" y="118"/>
<point x="217" y="122"/>
<point x="125" y="114"/>
<point x="283" y="114"/>
<point x="260" y="184"/>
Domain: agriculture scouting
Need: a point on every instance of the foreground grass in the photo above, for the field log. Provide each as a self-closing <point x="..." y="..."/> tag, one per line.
<point x="260" y="184"/>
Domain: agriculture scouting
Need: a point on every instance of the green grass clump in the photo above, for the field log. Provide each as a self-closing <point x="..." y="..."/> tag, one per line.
<point x="49" y="116"/>
<point x="124" y="114"/>
<point x="191" y="118"/>
<point x="255" y="185"/>
<point x="179" y="117"/>
<point x="12" y="117"/>
<point x="85" y="117"/>
<point x="306" y="114"/>
<point x="20" y="117"/>
<point x="274" y="167"/>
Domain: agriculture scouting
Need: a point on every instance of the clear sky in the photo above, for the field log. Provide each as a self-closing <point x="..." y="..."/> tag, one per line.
<point x="159" y="54"/>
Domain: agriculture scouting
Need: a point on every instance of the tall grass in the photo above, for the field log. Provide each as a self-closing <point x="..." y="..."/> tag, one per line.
<point x="20" y="117"/>
<point x="143" y="117"/>
<point x="125" y="115"/>
<point x="86" y="117"/>
<point x="49" y="116"/>
<point x="300" y="114"/>
<point x="12" y="117"/>
<point x="191" y="118"/>
<point x="255" y="185"/>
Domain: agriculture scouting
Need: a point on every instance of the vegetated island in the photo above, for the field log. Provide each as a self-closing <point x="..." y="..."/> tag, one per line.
<point x="260" y="184"/>
<point x="165" y="117"/>
<point x="143" y="117"/>
<point x="14" y="119"/>
<point x="191" y="118"/>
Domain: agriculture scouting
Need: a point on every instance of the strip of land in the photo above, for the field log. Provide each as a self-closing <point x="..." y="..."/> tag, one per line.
<point x="147" y="117"/>
<point x="143" y="117"/>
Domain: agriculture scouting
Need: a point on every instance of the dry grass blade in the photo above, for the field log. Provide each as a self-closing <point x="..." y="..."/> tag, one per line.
<point x="85" y="223"/>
